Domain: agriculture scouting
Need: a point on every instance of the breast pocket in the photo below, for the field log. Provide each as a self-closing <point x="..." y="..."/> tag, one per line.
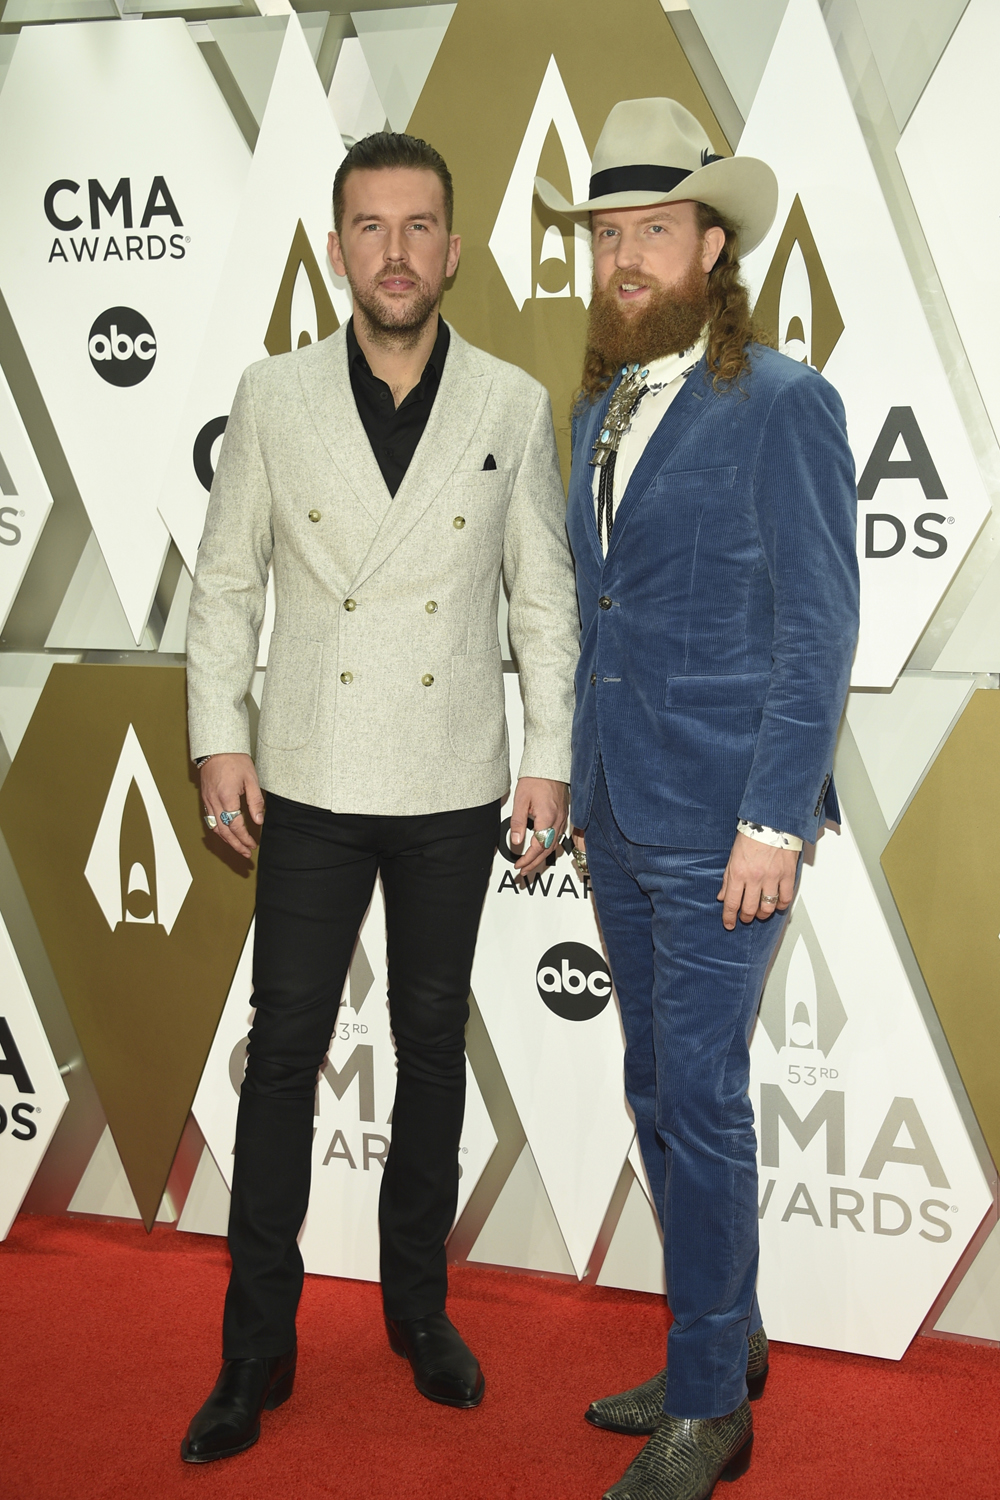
<point x="482" y="495"/>
<point x="291" y="691"/>
<point x="709" y="508"/>
<point x="698" y="485"/>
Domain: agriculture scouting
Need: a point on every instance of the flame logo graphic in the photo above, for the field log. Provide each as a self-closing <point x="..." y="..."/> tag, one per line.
<point x="136" y="867"/>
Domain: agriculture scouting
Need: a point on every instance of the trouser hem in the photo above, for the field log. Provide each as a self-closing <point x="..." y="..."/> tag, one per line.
<point x="248" y="1351"/>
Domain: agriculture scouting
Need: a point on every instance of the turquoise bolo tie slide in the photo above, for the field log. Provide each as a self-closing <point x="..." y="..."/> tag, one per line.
<point x="628" y="393"/>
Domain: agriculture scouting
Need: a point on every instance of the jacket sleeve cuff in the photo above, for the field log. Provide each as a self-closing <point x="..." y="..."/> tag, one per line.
<point x="545" y="767"/>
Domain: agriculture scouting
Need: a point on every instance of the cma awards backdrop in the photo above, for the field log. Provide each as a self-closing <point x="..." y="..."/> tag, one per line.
<point x="165" y="192"/>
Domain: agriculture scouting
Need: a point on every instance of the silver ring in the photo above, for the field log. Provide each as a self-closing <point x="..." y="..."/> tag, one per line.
<point x="209" y="820"/>
<point x="769" y="899"/>
<point x="230" y="817"/>
<point x="546" y="837"/>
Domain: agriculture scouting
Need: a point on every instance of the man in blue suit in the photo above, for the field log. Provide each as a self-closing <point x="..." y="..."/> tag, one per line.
<point x="712" y="515"/>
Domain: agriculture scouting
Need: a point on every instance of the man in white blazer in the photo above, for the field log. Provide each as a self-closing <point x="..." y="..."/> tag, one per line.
<point x="388" y="476"/>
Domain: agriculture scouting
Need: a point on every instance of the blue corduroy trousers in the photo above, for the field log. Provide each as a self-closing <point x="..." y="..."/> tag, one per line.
<point x="689" y="992"/>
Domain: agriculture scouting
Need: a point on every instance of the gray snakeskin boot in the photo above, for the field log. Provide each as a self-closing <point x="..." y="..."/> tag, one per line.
<point x="685" y="1456"/>
<point x="639" y="1410"/>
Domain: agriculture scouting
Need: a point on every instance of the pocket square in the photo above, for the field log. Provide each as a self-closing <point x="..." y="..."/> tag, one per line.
<point x="491" y="462"/>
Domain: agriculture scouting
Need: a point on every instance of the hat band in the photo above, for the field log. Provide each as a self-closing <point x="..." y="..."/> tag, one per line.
<point x="641" y="179"/>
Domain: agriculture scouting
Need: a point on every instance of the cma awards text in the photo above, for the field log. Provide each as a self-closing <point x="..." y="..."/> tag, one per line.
<point x="61" y="210"/>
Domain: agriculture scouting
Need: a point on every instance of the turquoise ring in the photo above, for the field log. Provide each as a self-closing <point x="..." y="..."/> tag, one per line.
<point x="546" y="837"/>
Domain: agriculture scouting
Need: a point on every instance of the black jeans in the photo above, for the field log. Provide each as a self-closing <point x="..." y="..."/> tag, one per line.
<point x="316" y="873"/>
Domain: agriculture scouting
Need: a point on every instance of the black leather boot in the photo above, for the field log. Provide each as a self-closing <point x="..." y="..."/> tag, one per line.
<point x="229" y="1421"/>
<point x="444" y="1367"/>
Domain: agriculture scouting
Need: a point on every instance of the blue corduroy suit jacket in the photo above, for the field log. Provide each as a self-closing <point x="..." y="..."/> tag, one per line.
<point x="718" y="633"/>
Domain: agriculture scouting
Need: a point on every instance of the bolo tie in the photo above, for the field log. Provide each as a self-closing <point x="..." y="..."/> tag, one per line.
<point x="621" y="409"/>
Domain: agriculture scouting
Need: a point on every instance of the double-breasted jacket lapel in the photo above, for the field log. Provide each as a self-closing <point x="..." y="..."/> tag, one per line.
<point x="454" y="418"/>
<point x="326" y="389"/>
<point x="687" y="407"/>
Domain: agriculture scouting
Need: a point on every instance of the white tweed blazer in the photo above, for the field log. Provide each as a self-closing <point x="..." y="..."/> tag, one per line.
<point x="384" y="688"/>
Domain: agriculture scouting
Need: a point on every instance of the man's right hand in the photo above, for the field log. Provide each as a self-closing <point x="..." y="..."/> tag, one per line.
<point x="225" y="781"/>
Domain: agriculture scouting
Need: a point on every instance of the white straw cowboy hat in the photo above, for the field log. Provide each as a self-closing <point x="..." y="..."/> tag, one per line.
<point x="655" y="151"/>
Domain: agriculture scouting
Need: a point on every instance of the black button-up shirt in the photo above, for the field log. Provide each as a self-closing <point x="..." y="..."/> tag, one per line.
<point x="394" y="431"/>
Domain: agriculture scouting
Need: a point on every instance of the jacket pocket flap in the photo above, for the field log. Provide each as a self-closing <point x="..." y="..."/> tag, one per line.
<point x="746" y="690"/>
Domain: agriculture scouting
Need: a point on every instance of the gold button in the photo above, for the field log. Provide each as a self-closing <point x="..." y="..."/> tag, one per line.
<point x="431" y="607"/>
<point x="315" y="515"/>
<point x="458" y="522"/>
<point x="427" y="680"/>
<point x="346" y="677"/>
<point x="350" y="604"/>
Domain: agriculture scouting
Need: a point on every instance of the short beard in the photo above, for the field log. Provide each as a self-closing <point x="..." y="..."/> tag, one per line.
<point x="670" y="323"/>
<point x="385" y="325"/>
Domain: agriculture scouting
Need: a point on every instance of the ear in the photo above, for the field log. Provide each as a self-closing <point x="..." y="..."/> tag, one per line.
<point x="454" y="251"/>
<point x="711" y="247"/>
<point x="336" y="254"/>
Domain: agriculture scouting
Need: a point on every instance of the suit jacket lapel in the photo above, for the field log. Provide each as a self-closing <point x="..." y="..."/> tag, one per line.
<point x="455" y="416"/>
<point x="687" y="407"/>
<point x="326" y="389"/>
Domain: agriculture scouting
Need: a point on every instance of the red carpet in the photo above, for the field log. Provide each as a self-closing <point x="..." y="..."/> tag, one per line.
<point x="110" y="1343"/>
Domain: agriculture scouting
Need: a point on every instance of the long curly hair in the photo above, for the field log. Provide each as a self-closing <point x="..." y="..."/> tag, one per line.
<point x="732" y="330"/>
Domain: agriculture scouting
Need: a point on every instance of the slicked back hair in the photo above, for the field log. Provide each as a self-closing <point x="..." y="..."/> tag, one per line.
<point x="386" y="149"/>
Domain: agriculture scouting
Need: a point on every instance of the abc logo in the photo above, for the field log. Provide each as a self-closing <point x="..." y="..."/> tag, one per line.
<point x="573" y="981"/>
<point x="122" y="346"/>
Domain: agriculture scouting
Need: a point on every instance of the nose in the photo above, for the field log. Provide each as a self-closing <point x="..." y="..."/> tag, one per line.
<point x="627" y="252"/>
<point x="395" y="245"/>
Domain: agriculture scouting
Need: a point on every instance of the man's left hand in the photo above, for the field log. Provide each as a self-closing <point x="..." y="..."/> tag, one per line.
<point x="547" y="805"/>
<point x="755" y="872"/>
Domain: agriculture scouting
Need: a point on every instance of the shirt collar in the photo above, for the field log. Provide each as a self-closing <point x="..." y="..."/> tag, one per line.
<point x="663" y="372"/>
<point x="435" y="360"/>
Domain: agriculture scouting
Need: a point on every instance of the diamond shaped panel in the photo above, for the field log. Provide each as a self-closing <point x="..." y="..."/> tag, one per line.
<point x="943" y="867"/>
<point x="142" y="915"/>
<point x="32" y="1094"/>
<point x="922" y="498"/>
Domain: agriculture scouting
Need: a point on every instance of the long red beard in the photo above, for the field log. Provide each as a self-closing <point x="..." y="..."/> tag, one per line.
<point x="670" y="321"/>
